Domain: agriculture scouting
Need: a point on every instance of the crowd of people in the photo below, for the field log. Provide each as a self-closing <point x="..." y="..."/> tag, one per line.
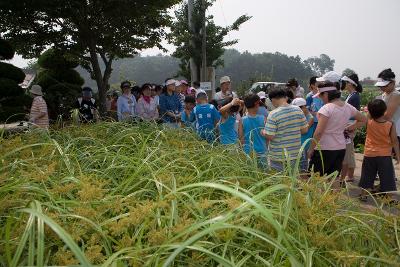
<point x="275" y="127"/>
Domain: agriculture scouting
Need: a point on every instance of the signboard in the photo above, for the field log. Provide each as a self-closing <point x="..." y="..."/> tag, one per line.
<point x="206" y="86"/>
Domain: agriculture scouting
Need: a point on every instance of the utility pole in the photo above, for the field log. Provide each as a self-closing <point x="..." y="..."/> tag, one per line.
<point x="204" y="71"/>
<point x="193" y="67"/>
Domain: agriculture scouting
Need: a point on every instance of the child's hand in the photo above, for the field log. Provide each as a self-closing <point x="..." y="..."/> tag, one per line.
<point x="264" y="132"/>
<point x="235" y="101"/>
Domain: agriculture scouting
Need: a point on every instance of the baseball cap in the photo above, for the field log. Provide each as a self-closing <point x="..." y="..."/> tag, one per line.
<point x="184" y="82"/>
<point x="201" y="93"/>
<point x="224" y="79"/>
<point x="330" y="76"/>
<point x="262" y="95"/>
<point x="299" y="102"/>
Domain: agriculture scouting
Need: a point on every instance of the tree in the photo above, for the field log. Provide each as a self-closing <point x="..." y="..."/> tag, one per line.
<point x="347" y="72"/>
<point x="320" y="65"/>
<point x="181" y="36"/>
<point x="13" y="101"/>
<point x="60" y="82"/>
<point x="95" y="31"/>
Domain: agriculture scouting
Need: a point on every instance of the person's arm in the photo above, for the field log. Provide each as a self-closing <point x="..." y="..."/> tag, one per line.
<point x="119" y="108"/>
<point x="225" y="109"/>
<point x="139" y="108"/>
<point x="395" y="142"/>
<point x="163" y="108"/>
<point x="305" y="125"/>
<point x="270" y="129"/>
<point x="240" y="132"/>
<point x="392" y="106"/>
<point x="322" y="123"/>
<point x="361" y="121"/>
<point x="311" y="122"/>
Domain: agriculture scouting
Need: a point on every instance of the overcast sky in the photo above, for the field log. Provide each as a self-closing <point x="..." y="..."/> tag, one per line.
<point x="363" y="35"/>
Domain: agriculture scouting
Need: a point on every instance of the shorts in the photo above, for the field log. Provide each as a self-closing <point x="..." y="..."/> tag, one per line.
<point x="383" y="166"/>
<point x="330" y="162"/>
<point x="349" y="158"/>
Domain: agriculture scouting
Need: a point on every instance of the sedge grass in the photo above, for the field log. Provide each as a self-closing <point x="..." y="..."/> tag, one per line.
<point x="114" y="194"/>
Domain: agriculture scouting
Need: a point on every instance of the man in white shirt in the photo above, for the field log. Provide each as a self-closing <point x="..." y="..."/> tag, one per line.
<point x="297" y="90"/>
<point x="225" y="92"/>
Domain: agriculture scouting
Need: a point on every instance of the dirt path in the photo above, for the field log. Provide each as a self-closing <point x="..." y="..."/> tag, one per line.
<point x="354" y="191"/>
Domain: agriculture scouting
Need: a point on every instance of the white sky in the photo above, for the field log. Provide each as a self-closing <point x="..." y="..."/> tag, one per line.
<point x="363" y="35"/>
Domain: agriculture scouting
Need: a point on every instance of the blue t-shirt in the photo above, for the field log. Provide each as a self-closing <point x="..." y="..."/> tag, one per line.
<point x="206" y="115"/>
<point x="314" y="104"/>
<point x="169" y="103"/>
<point x="227" y="130"/>
<point x="253" y="140"/>
<point x="188" y="121"/>
<point x="262" y="111"/>
<point x="309" y="134"/>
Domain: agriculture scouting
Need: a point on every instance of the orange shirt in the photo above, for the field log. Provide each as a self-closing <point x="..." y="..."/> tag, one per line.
<point x="378" y="142"/>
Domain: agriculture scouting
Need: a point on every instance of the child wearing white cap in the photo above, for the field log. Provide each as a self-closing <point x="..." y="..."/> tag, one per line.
<point x="225" y="92"/>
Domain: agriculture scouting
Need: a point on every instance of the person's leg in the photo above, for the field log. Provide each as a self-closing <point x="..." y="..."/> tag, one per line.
<point x="335" y="161"/>
<point x="386" y="174"/>
<point x="316" y="163"/>
<point x="351" y="164"/>
<point x="369" y="170"/>
<point x="345" y="164"/>
<point x="276" y="165"/>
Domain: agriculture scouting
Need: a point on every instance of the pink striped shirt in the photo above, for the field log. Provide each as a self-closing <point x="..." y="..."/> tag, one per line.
<point x="39" y="106"/>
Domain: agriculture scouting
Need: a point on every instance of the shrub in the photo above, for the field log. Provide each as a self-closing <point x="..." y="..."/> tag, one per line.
<point x="48" y="78"/>
<point x="11" y="72"/>
<point x="56" y="59"/>
<point x="6" y="50"/>
<point x="9" y="88"/>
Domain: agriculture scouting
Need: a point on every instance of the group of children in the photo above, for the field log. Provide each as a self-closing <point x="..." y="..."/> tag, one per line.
<point x="321" y="121"/>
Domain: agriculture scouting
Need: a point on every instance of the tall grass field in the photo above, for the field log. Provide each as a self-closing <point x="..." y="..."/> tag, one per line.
<point x="137" y="195"/>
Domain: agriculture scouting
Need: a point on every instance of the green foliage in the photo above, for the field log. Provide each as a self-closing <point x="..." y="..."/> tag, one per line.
<point x="11" y="72"/>
<point x="181" y="35"/>
<point x="57" y="59"/>
<point x="369" y="93"/>
<point x="9" y="88"/>
<point x="320" y="65"/>
<point x="6" y="50"/>
<point x="49" y="77"/>
<point x="136" y="195"/>
<point x="109" y="28"/>
<point x="347" y="72"/>
<point x="61" y="84"/>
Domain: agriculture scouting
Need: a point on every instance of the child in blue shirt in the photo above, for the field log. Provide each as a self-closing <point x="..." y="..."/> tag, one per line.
<point x="206" y="117"/>
<point x="228" y="128"/>
<point x="250" y="131"/>
<point x="302" y="104"/>
<point x="187" y="117"/>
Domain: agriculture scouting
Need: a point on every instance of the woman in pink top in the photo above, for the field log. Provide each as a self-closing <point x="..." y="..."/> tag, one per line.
<point x="333" y="119"/>
<point x="146" y="107"/>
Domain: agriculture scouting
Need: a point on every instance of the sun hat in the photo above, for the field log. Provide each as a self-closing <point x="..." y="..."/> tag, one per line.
<point x="170" y="81"/>
<point x="184" y="82"/>
<point x="262" y="95"/>
<point x="299" y="102"/>
<point x="330" y="76"/>
<point x="224" y="79"/>
<point x="347" y="79"/>
<point x="36" y="90"/>
<point x="382" y="82"/>
<point x="325" y="89"/>
<point x="385" y="77"/>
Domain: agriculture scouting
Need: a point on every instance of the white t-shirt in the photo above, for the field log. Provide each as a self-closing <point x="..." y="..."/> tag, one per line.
<point x="219" y="96"/>
<point x="300" y="92"/>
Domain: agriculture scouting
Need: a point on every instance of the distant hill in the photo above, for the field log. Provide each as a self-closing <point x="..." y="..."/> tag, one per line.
<point x="239" y="66"/>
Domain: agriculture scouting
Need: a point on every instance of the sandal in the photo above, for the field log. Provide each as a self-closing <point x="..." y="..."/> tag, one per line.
<point x="363" y="198"/>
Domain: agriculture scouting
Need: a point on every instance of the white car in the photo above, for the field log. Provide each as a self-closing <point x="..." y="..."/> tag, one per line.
<point x="265" y="86"/>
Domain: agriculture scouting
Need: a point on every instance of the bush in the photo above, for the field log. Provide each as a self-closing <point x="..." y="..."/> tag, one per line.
<point x="56" y="59"/>
<point x="11" y="72"/>
<point x="6" y="50"/>
<point x="48" y="78"/>
<point x="9" y="88"/>
<point x="12" y="113"/>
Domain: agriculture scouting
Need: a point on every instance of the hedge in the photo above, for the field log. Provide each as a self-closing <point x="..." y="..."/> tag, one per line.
<point x="48" y="78"/>
<point x="9" y="88"/>
<point x="6" y="50"/>
<point x="56" y="59"/>
<point x="11" y="72"/>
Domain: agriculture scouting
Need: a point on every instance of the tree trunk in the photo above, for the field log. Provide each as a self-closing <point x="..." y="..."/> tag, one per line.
<point x="101" y="80"/>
